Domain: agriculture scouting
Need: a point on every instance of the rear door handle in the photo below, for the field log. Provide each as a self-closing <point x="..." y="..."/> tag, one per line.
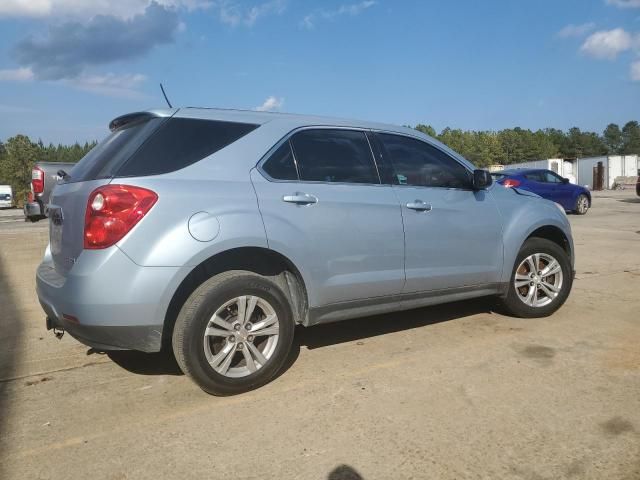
<point x="300" y="198"/>
<point x="420" y="206"/>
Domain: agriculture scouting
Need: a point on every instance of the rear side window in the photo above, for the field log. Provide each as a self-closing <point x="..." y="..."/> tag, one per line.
<point x="327" y="155"/>
<point x="180" y="142"/>
<point x="280" y="165"/>
<point x="156" y="145"/>
<point x="535" y="176"/>
<point x="418" y="164"/>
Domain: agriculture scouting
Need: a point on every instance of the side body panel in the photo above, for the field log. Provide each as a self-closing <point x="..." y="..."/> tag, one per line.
<point x="349" y="245"/>
<point x="457" y="243"/>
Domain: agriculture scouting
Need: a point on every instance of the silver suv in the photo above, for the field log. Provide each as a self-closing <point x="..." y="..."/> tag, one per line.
<point x="215" y="232"/>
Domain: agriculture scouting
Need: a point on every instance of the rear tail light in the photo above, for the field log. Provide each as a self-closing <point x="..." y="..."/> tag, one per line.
<point x="112" y="211"/>
<point x="37" y="180"/>
<point x="511" y="182"/>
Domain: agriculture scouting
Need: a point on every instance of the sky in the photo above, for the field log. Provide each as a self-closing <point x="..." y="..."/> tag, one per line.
<point x="67" y="67"/>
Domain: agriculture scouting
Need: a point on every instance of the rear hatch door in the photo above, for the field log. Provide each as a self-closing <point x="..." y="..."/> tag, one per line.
<point x="68" y="201"/>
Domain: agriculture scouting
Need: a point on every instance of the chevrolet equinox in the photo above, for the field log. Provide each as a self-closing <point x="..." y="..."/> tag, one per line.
<point x="214" y="232"/>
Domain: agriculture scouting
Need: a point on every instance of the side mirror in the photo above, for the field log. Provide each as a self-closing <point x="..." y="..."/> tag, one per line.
<point x="481" y="179"/>
<point x="565" y="180"/>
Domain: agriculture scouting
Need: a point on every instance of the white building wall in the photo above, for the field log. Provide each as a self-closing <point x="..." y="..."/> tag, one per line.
<point x="585" y="170"/>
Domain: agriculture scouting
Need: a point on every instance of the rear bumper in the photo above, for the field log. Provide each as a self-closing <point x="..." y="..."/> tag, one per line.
<point x="32" y="209"/>
<point x="106" y="301"/>
<point x="142" y="338"/>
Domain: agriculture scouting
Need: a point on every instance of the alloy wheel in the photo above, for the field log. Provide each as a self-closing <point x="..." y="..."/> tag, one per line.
<point x="241" y="336"/>
<point x="538" y="279"/>
<point x="583" y="204"/>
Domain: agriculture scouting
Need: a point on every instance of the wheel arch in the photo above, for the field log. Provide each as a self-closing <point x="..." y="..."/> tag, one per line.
<point x="260" y="260"/>
<point x="553" y="234"/>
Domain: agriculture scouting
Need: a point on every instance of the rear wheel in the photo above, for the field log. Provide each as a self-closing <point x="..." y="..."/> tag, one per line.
<point x="582" y="204"/>
<point x="540" y="281"/>
<point x="233" y="333"/>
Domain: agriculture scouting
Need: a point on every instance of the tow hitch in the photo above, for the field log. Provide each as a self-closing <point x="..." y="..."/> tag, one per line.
<point x="58" y="332"/>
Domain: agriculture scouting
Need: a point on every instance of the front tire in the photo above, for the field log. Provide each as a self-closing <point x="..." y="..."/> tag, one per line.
<point x="540" y="281"/>
<point x="582" y="204"/>
<point x="234" y="333"/>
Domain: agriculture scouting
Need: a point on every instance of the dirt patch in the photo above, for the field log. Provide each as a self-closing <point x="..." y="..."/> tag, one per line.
<point x="539" y="352"/>
<point x="617" y="426"/>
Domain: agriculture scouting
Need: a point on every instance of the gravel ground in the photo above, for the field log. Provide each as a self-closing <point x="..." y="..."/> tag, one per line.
<point x="454" y="391"/>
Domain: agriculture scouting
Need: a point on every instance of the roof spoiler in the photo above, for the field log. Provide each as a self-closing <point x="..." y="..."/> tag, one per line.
<point x="130" y="119"/>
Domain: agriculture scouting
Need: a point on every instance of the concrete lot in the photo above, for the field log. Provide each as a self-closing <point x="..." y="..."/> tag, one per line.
<point x="454" y="391"/>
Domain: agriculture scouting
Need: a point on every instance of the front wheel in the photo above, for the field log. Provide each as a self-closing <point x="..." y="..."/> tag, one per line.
<point x="540" y="281"/>
<point x="233" y="333"/>
<point x="582" y="204"/>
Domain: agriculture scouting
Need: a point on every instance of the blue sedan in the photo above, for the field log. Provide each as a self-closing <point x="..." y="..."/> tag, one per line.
<point x="548" y="185"/>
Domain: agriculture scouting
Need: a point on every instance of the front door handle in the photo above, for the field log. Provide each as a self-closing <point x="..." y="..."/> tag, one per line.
<point x="420" y="206"/>
<point x="300" y="198"/>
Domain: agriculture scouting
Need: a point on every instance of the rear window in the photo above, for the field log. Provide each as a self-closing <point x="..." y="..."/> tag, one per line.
<point x="104" y="160"/>
<point x="157" y="146"/>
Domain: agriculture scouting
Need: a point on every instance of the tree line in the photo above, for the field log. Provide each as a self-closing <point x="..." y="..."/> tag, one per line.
<point x="515" y="145"/>
<point x="486" y="147"/>
<point x="18" y="155"/>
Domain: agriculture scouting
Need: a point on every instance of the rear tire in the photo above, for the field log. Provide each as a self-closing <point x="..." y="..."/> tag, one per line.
<point x="234" y="333"/>
<point x="582" y="205"/>
<point x="540" y="291"/>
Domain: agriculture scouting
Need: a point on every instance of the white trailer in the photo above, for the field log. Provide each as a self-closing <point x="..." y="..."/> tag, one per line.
<point x="580" y="170"/>
<point x="563" y="167"/>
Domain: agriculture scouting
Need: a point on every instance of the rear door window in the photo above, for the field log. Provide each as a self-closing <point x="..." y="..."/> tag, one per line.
<point x="334" y="155"/>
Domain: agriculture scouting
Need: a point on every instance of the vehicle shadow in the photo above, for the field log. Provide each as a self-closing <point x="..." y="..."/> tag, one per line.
<point x="141" y="363"/>
<point x="164" y="363"/>
<point x="11" y="330"/>
<point x="630" y="200"/>
<point x="373" y="326"/>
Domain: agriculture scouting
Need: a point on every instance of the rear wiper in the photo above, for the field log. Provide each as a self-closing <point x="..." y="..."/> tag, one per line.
<point x="62" y="174"/>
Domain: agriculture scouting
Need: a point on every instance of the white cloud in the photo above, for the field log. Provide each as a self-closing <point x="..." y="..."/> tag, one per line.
<point x="90" y="8"/>
<point x="110" y="84"/>
<point x="351" y="9"/>
<point x="635" y="71"/>
<point x="16" y="74"/>
<point x="271" y="104"/>
<point x="607" y="44"/>
<point x="234" y="14"/>
<point x="624" y="3"/>
<point x="572" y="30"/>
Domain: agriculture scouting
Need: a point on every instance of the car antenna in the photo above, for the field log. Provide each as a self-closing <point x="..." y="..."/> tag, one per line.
<point x="165" y="96"/>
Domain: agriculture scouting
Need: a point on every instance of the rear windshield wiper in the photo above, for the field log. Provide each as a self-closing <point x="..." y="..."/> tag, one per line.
<point x="62" y="174"/>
